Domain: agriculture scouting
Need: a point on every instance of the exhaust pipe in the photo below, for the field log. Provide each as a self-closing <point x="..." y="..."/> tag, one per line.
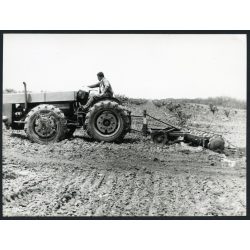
<point x="25" y="97"/>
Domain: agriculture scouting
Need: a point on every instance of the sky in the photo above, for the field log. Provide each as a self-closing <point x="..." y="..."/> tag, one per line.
<point x="137" y="65"/>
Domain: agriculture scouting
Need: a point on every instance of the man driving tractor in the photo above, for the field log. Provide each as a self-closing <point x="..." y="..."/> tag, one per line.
<point x="105" y="90"/>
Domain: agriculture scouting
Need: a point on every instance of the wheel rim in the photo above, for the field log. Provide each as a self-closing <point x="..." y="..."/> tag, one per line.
<point x="107" y="123"/>
<point x="45" y="125"/>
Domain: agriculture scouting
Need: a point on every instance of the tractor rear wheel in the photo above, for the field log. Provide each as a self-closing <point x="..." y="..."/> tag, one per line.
<point x="107" y="121"/>
<point x="45" y="124"/>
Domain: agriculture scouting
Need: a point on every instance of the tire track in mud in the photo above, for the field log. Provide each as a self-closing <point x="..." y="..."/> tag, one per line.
<point x="135" y="198"/>
<point x="90" y="192"/>
<point x="123" y="194"/>
<point x="40" y="163"/>
<point x="88" y="197"/>
<point x="25" y="194"/>
<point x="100" y="194"/>
<point x="224" y="197"/>
<point x="69" y="192"/>
<point x="156" y="203"/>
<point x="106" y="194"/>
<point x="116" y="186"/>
<point x="146" y="194"/>
<point x="36" y="161"/>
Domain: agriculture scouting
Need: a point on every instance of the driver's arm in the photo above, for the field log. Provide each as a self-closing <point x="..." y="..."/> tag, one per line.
<point x="94" y="85"/>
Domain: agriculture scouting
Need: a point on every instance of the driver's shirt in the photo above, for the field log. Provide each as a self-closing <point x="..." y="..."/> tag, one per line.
<point x="105" y="87"/>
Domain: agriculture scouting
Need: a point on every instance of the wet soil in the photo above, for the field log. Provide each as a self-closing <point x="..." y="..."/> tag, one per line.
<point x="81" y="177"/>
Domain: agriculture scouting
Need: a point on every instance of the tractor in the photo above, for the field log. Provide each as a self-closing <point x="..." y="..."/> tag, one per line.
<point x="49" y="117"/>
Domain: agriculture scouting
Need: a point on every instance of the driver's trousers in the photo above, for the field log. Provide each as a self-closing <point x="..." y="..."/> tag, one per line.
<point x="96" y="97"/>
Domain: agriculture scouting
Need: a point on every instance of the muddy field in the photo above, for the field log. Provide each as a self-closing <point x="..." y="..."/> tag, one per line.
<point x="80" y="177"/>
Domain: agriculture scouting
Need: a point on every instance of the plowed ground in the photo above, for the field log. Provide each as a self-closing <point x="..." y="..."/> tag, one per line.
<point x="80" y="177"/>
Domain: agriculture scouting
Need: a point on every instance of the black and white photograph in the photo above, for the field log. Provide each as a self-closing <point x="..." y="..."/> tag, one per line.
<point x="128" y="125"/>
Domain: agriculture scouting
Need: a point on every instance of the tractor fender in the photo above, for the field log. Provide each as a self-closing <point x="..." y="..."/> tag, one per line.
<point x="113" y="99"/>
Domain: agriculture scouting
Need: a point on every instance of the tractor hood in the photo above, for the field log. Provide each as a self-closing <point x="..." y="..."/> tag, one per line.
<point x="40" y="97"/>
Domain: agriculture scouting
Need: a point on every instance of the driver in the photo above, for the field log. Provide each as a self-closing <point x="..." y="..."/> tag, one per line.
<point x="105" y="90"/>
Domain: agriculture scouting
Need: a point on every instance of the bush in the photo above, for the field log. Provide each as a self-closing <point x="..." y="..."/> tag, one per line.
<point x="172" y="107"/>
<point x="224" y="101"/>
<point x="7" y="91"/>
<point x="122" y="98"/>
<point x="226" y="112"/>
<point x="213" y="108"/>
<point x="227" y="102"/>
<point x="177" y="111"/>
<point x="182" y="117"/>
<point x="137" y="101"/>
<point x="159" y="103"/>
<point x="126" y="100"/>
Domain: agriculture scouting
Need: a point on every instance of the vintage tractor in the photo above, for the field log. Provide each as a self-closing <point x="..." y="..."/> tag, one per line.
<point x="52" y="116"/>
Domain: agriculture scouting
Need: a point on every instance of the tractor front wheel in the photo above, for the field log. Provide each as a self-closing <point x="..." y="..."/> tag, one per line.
<point x="45" y="124"/>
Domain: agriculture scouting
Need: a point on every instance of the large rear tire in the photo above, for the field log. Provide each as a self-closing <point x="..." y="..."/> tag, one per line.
<point x="107" y="121"/>
<point x="45" y="124"/>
